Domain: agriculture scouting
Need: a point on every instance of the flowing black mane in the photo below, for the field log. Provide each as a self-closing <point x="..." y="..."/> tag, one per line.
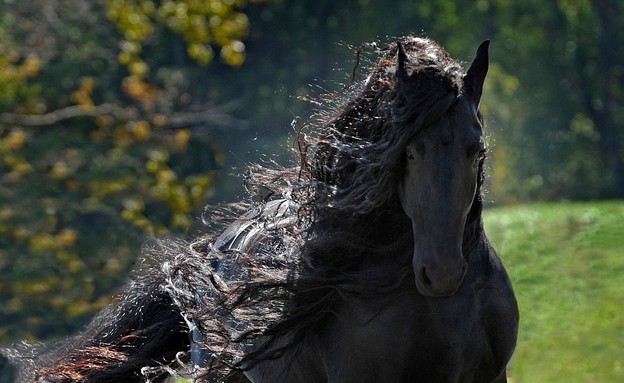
<point x="357" y="156"/>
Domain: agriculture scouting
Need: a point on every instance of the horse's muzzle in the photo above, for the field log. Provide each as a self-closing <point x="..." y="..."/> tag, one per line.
<point x="440" y="281"/>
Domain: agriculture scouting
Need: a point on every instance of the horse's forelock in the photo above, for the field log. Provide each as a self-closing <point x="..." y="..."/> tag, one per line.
<point x="357" y="155"/>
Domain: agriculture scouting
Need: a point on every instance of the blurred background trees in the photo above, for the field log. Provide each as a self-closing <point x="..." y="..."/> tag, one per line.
<point x="103" y="144"/>
<point x="119" y="119"/>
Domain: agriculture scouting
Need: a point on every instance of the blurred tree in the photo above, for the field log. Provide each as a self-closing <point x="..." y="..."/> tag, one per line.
<point x="563" y="139"/>
<point x="97" y="118"/>
<point x="598" y="73"/>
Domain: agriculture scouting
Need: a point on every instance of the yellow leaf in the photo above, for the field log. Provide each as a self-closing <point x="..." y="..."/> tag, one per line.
<point x="20" y="234"/>
<point x="138" y="68"/>
<point x="159" y="120"/>
<point x="31" y="65"/>
<point x="6" y="213"/>
<point x="15" y="139"/>
<point x="182" y="138"/>
<point x="59" y="171"/>
<point x="141" y="130"/>
<point x="67" y="237"/>
<point x="165" y="176"/>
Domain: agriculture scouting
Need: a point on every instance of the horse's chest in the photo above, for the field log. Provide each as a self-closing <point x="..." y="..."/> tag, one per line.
<point x="408" y="340"/>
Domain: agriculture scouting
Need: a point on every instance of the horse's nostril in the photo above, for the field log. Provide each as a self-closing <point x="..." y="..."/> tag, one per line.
<point x="424" y="277"/>
<point x="434" y="281"/>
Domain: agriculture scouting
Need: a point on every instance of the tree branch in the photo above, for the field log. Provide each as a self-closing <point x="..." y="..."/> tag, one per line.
<point x="213" y="118"/>
<point x="63" y="114"/>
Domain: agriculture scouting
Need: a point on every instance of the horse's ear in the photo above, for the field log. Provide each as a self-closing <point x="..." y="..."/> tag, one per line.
<point x="401" y="72"/>
<point x="473" y="81"/>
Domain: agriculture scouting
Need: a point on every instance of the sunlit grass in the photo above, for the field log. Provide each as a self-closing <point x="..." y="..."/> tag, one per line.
<point x="567" y="265"/>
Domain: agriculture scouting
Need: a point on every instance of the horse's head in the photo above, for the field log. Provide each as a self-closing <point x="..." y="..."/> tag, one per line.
<point x="442" y="161"/>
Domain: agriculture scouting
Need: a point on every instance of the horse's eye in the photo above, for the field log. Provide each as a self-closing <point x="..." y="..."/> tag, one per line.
<point x="409" y="155"/>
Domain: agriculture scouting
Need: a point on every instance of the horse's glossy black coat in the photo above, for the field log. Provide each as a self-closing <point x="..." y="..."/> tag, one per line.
<point x="465" y="338"/>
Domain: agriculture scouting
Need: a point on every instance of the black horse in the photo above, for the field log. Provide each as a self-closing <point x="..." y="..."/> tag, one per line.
<point x="365" y="262"/>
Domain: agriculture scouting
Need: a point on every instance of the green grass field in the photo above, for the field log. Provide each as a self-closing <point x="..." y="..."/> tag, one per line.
<point x="567" y="264"/>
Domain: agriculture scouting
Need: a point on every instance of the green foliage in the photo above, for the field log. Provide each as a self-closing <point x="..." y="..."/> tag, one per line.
<point x="563" y="138"/>
<point x="200" y="23"/>
<point x="566" y="264"/>
<point x="94" y="148"/>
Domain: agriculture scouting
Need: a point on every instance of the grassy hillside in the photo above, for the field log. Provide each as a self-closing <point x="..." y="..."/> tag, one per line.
<point x="567" y="265"/>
